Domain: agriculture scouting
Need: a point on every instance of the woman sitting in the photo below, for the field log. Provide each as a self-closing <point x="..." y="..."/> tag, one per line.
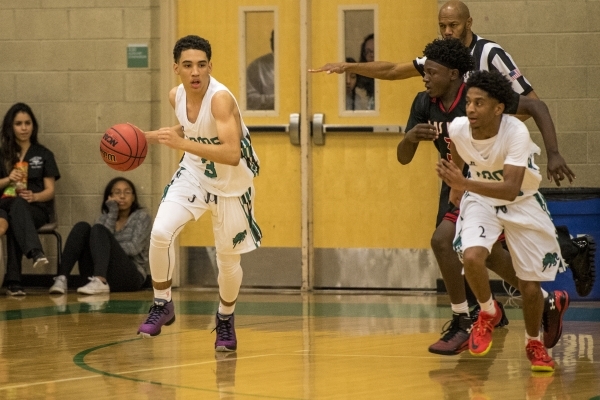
<point x="113" y="252"/>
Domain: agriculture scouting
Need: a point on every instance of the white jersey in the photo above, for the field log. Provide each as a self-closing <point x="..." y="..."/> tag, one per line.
<point x="486" y="158"/>
<point x="219" y="179"/>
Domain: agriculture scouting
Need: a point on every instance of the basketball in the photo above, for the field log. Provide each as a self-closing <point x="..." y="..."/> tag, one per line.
<point x="123" y="147"/>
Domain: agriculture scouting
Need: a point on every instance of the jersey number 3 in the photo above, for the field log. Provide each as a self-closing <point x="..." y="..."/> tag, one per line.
<point x="209" y="170"/>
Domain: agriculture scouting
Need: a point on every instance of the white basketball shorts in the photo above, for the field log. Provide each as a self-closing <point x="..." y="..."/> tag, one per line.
<point x="234" y="226"/>
<point x="530" y="234"/>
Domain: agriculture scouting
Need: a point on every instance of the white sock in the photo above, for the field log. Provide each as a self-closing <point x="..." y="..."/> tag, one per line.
<point x="462" y="308"/>
<point x="544" y="293"/>
<point x="488" y="306"/>
<point x="528" y="338"/>
<point x="163" y="294"/>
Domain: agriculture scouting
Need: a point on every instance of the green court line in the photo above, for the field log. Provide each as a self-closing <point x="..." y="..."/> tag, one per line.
<point x="378" y="310"/>
<point x="78" y="360"/>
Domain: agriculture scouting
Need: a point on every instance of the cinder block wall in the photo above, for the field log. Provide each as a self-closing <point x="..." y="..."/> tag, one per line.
<point x="555" y="44"/>
<point x="68" y="60"/>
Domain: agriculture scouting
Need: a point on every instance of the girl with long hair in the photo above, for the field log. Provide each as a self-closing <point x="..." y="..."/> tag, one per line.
<point x="28" y="172"/>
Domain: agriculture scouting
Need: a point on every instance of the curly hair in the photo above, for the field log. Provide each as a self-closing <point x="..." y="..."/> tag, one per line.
<point x="494" y="84"/>
<point x="451" y="53"/>
<point x="191" y="42"/>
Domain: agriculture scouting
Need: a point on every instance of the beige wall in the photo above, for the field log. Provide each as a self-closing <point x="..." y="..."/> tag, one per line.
<point x="555" y="44"/>
<point x="67" y="59"/>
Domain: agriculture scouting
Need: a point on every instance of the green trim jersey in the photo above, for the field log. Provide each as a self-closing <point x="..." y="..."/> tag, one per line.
<point x="218" y="179"/>
<point x="486" y="158"/>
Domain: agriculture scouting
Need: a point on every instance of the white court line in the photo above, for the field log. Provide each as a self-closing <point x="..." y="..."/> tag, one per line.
<point x="97" y="375"/>
<point x="304" y="353"/>
<point x="48" y="382"/>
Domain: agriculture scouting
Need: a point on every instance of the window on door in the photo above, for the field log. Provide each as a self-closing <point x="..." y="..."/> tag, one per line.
<point x="259" y="82"/>
<point x="358" y="45"/>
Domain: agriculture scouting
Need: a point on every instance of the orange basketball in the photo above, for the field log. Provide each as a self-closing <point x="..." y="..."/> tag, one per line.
<point x="123" y="147"/>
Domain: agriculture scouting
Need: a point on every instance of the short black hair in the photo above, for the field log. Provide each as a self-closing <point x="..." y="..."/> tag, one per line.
<point x="451" y="53"/>
<point x="191" y="42"/>
<point x="494" y="84"/>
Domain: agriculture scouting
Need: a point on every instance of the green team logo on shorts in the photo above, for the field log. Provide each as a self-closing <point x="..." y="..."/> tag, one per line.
<point x="550" y="260"/>
<point x="239" y="238"/>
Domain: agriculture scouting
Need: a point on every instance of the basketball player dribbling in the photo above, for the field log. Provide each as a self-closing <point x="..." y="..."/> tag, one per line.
<point x="216" y="175"/>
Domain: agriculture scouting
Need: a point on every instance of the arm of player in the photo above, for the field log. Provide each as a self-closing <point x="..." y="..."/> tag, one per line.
<point x="375" y="69"/>
<point x="456" y="195"/>
<point x="229" y="132"/>
<point x="152" y="137"/>
<point x="225" y="111"/>
<point x="408" y="146"/>
<point x="508" y="189"/>
<point x="557" y="166"/>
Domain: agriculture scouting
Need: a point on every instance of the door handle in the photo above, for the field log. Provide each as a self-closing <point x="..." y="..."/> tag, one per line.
<point x="319" y="128"/>
<point x="293" y="128"/>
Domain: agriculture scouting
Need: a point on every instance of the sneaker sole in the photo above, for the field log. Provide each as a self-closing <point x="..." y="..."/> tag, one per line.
<point x="93" y="292"/>
<point x="225" y="349"/>
<point x="581" y="288"/>
<point x="16" y="293"/>
<point x="464" y="347"/>
<point x="40" y="263"/>
<point x="56" y="291"/>
<point x="542" y="368"/>
<point x="147" y="335"/>
<point x="483" y="353"/>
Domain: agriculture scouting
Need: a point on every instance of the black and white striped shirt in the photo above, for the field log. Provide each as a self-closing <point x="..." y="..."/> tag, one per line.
<point x="490" y="56"/>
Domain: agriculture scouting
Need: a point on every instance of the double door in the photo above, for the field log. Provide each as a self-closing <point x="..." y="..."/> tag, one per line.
<point x="335" y="207"/>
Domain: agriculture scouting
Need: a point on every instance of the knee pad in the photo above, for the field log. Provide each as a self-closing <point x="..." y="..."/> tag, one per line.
<point x="228" y="262"/>
<point x="160" y="238"/>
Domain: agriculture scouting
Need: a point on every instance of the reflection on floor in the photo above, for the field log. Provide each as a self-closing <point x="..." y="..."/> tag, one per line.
<point x="342" y="345"/>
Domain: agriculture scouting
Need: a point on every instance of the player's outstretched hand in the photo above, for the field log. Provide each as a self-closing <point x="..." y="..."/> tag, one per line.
<point x="422" y="132"/>
<point x="451" y="174"/>
<point x="558" y="169"/>
<point x="330" y="68"/>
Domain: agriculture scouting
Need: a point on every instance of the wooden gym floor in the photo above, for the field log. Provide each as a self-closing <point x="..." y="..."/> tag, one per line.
<point x="341" y="345"/>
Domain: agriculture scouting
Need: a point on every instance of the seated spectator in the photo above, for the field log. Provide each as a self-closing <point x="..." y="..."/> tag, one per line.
<point x="28" y="172"/>
<point x="113" y="252"/>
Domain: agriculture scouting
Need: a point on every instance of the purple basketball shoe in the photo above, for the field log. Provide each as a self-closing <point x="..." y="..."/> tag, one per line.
<point x="226" y="339"/>
<point x="161" y="313"/>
